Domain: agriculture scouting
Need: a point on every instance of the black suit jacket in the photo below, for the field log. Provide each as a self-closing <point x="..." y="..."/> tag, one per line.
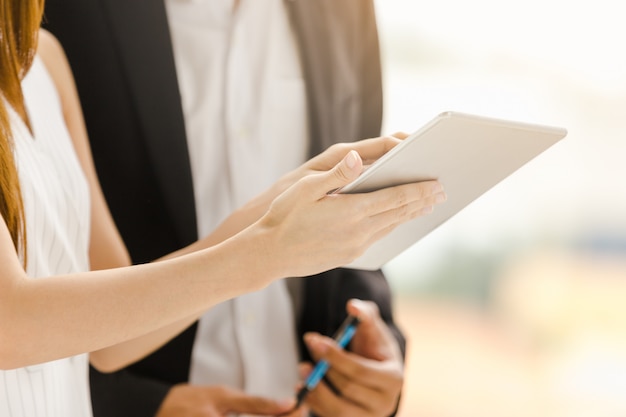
<point x="120" y="52"/>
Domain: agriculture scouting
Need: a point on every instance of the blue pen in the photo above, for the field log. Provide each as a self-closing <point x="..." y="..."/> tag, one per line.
<point x="342" y="337"/>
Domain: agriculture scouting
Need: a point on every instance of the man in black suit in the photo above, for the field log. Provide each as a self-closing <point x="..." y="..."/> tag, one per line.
<point x="124" y="61"/>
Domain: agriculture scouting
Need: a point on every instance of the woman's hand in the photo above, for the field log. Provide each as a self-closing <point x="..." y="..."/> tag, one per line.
<point x="368" y="149"/>
<point x="316" y="231"/>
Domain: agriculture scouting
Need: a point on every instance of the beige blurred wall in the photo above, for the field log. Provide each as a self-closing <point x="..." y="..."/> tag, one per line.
<point x="516" y="305"/>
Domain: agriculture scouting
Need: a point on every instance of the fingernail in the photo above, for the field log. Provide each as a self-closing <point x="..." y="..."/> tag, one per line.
<point x="351" y="159"/>
<point x="441" y="197"/>
<point x="316" y="343"/>
<point x="427" y="210"/>
<point x="436" y="188"/>
<point x="303" y="372"/>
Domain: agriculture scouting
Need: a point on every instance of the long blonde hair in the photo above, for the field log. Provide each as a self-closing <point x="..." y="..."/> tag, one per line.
<point x="19" y="26"/>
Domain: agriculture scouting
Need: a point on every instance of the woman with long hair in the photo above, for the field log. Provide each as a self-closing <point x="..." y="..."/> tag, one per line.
<point x="66" y="284"/>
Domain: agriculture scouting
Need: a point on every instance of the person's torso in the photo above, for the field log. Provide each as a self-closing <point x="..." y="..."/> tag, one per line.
<point x="126" y="80"/>
<point x="57" y="214"/>
<point x="244" y="103"/>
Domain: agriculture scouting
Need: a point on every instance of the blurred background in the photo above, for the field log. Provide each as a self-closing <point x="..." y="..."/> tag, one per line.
<point x="517" y="305"/>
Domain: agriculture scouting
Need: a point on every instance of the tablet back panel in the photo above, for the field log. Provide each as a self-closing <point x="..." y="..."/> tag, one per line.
<point x="468" y="154"/>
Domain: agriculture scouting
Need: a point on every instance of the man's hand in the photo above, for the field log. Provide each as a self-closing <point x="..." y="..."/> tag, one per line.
<point x="220" y="401"/>
<point x="367" y="381"/>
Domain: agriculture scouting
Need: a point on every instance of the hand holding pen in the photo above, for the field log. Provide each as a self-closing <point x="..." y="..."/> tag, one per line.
<point x="342" y="337"/>
<point x="364" y="381"/>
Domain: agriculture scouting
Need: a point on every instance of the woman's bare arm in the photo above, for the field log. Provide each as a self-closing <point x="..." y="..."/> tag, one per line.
<point x="305" y="231"/>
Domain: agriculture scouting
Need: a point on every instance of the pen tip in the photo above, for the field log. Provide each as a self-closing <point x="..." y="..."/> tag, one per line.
<point x="300" y="397"/>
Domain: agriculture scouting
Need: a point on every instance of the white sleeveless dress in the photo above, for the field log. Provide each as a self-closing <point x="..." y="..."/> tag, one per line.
<point x="57" y="209"/>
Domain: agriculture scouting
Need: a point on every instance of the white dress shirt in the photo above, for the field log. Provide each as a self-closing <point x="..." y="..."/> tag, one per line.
<point x="244" y="103"/>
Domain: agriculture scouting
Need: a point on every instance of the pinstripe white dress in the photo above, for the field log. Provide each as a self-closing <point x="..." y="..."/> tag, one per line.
<point x="56" y="199"/>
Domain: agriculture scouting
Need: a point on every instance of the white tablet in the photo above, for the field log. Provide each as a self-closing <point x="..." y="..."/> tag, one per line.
<point x="468" y="154"/>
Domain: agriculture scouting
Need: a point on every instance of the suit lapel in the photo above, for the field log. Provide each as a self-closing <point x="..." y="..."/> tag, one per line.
<point x="325" y="39"/>
<point x="306" y="17"/>
<point x="141" y="34"/>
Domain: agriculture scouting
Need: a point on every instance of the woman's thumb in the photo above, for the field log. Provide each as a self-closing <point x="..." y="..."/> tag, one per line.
<point x="345" y="171"/>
